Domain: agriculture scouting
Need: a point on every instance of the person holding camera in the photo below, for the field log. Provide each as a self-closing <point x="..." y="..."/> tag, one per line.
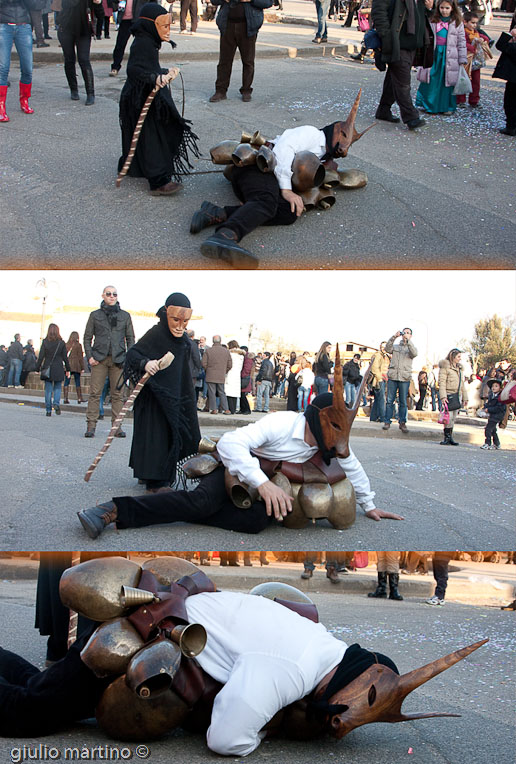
<point x="399" y="375"/>
<point x="238" y="22"/>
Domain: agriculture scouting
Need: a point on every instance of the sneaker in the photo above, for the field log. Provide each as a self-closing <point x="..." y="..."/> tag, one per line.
<point x="487" y="447"/>
<point x="497" y="447"/>
<point x="317" y="40"/>
<point x="434" y="601"/>
<point x="114" y="72"/>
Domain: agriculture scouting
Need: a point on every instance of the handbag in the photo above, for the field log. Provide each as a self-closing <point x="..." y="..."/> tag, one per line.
<point x="363" y="22"/>
<point x="45" y="373"/>
<point x="444" y="416"/>
<point x="453" y="402"/>
<point x="463" y="85"/>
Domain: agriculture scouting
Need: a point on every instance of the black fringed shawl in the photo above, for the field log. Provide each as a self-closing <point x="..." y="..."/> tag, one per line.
<point x="166" y="137"/>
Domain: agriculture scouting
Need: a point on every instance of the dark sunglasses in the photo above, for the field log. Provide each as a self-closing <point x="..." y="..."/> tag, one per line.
<point x="111" y="294"/>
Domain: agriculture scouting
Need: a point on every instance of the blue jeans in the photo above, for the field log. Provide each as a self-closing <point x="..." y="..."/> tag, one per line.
<point x="321" y="385"/>
<point x="394" y="386"/>
<point x="350" y="393"/>
<point x="262" y="392"/>
<point x="55" y="388"/>
<point x="322" y="7"/>
<point x="303" y="394"/>
<point x="435" y="398"/>
<point x="103" y="395"/>
<point x="15" y="369"/>
<point x="21" y="35"/>
<point x="378" y="407"/>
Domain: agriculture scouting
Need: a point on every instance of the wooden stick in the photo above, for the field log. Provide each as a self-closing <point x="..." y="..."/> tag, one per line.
<point x="163" y="363"/>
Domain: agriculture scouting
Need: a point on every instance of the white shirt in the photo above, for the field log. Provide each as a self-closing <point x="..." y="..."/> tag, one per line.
<point x="286" y="146"/>
<point x="265" y="655"/>
<point x="280" y="437"/>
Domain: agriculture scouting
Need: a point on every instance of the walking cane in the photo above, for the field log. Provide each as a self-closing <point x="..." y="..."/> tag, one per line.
<point x="163" y="364"/>
<point x="138" y="129"/>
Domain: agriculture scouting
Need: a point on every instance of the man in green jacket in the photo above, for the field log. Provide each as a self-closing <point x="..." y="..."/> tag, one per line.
<point x="404" y="31"/>
<point x="108" y="336"/>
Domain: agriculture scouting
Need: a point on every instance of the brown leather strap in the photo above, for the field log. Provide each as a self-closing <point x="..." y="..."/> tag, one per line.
<point x="306" y="609"/>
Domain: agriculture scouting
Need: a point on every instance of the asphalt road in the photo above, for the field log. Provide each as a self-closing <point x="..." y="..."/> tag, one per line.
<point x="458" y="498"/>
<point x="480" y="688"/>
<point x="439" y="197"/>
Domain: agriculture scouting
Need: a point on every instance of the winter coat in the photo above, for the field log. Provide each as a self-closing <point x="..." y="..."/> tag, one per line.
<point x="76" y="358"/>
<point x="505" y="68"/>
<point x="266" y="373"/>
<point x="253" y="15"/>
<point x="232" y="386"/>
<point x="351" y="373"/>
<point x="194" y="361"/>
<point x="118" y="338"/>
<point x="217" y="362"/>
<point x="400" y="367"/>
<point x="30" y="362"/>
<point x="245" y="374"/>
<point x="323" y="366"/>
<point x="15" y="12"/>
<point x="450" y="379"/>
<point x="389" y="19"/>
<point x="57" y="363"/>
<point x="379" y="368"/>
<point x="15" y="350"/>
<point x="495" y="408"/>
<point x="456" y="54"/>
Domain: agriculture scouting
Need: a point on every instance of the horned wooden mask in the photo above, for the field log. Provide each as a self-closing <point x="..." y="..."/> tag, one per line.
<point x="344" y="133"/>
<point x="378" y="693"/>
<point x="177" y="319"/>
<point x="336" y="420"/>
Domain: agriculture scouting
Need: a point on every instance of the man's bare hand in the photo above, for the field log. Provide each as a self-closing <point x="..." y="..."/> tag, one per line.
<point x="277" y="502"/>
<point x="93" y="362"/>
<point x="296" y="203"/>
<point x="152" y="367"/>
<point x="164" y="79"/>
<point x="378" y="514"/>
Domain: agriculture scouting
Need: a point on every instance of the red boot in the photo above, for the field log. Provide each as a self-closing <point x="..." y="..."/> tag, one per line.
<point x="24" y="98"/>
<point x="3" y="96"/>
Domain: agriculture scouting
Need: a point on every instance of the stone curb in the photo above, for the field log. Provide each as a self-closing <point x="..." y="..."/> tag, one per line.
<point x="362" y="427"/>
<point x="479" y="592"/>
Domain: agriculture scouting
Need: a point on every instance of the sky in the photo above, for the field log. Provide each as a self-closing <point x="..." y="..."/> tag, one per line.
<point x="304" y="307"/>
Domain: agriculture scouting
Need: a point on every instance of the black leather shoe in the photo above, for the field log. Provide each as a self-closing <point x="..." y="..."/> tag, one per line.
<point x="74" y="95"/>
<point x="120" y="433"/>
<point x="507" y="130"/>
<point x="306" y="574"/>
<point x="209" y="214"/>
<point x="90" y="99"/>
<point x="223" y="245"/>
<point x="413" y="124"/>
<point x="95" y="519"/>
<point x="388" y="117"/>
<point x="90" y="432"/>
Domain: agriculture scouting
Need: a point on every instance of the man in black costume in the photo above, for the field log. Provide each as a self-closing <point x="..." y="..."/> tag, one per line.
<point x="162" y="149"/>
<point x="166" y="428"/>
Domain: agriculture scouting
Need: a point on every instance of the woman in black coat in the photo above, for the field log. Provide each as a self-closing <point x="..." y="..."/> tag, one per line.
<point x="75" y="31"/>
<point x="162" y="149"/>
<point x="506" y="70"/>
<point x="53" y="356"/>
<point x="166" y="428"/>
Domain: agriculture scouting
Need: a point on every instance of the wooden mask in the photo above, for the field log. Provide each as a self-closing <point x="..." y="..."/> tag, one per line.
<point x="177" y="319"/>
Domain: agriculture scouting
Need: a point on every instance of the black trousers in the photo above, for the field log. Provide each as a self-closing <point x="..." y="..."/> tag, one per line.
<point x="207" y="504"/>
<point x="124" y="33"/>
<point x="262" y="202"/>
<point x="441" y="577"/>
<point x="69" y="44"/>
<point x="396" y="87"/>
<point x="509" y="104"/>
<point x="34" y="702"/>
<point x="490" y="432"/>
<point x="235" y="37"/>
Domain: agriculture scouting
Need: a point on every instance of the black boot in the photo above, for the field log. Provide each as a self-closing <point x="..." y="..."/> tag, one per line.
<point x="381" y="589"/>
<point x="89" y="84"/>
<point x="393" y="587"/>
<point x="95" y="519"/>
<point x="223" y="245"/>
<point x="452" y="442"/>
<point x="71" y="78"/>
<point x="446" y="440"/>
<point x="209" y="214"/>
